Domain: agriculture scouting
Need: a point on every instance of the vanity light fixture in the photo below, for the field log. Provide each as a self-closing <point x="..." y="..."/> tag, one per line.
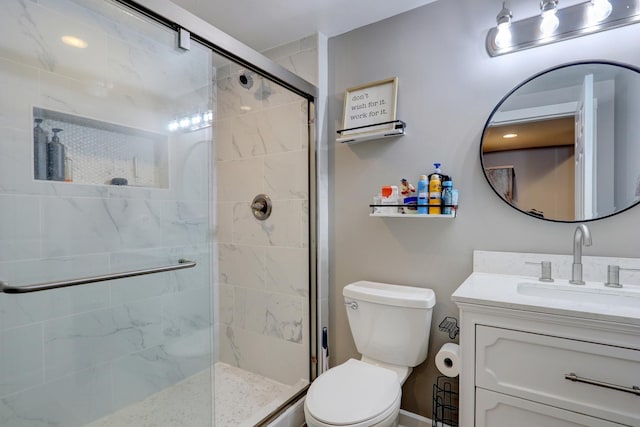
<point x="559" y="24"/>
<point x="503" y="37"/>
<point x="550" y="21"/>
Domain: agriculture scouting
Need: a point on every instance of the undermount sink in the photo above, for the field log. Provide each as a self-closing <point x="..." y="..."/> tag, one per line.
<point x="581" y="294"/>
<point x="505" y="282"/>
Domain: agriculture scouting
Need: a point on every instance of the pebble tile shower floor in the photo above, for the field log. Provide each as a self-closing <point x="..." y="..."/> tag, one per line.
<point x="241" y="399"/>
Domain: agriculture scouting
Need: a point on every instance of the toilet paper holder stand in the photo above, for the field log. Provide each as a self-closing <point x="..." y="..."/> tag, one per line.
<point x="450" y="326"/>
<point x="445" y="403"/>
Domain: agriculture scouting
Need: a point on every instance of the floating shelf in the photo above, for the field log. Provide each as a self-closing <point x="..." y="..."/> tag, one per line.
<point x="400" y="215"/>
<point x="411" y="215"/>
<point x="371" y="132"/>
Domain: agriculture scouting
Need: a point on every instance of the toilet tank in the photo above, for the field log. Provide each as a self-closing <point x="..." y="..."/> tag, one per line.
<point x="390" y="323"/>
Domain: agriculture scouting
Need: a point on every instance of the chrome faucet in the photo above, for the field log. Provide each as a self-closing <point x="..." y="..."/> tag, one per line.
<point x="581" y="236"/>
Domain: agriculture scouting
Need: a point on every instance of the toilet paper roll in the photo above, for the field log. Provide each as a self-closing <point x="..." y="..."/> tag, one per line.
<point x="448" y="359"/>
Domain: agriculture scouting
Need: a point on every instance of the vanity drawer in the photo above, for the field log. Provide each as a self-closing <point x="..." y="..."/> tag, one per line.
<point x="495" y="409"/>
<point x="533" y="367"/>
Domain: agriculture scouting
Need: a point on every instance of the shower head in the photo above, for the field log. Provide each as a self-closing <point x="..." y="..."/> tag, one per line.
<point x="246" y="80"/>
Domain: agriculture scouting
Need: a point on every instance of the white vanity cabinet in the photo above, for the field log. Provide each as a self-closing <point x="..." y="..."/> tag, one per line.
<point x="536" y="368"/>
<point x="515" y="363"/>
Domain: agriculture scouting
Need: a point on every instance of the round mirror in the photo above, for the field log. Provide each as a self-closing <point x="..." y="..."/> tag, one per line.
<point x="562" y="145"/>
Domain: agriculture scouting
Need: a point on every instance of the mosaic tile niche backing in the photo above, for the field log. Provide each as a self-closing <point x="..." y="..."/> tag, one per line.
<point x="100" y="151"/>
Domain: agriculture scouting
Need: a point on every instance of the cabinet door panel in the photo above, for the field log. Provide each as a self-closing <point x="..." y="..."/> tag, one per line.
<point x="499" y="410"/>
<point x="533" y="367"/>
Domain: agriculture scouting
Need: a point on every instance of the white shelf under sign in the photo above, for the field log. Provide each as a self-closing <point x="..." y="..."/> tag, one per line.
<point x="371" y="132"/>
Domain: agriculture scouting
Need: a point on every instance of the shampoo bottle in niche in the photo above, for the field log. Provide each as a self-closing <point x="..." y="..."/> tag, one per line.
<point x="423" y="195"/>
<point x="55" y="157"/>
<point x="68" y="169"/>
<point x="435" y="191"/>
<point x="39" y="151"/>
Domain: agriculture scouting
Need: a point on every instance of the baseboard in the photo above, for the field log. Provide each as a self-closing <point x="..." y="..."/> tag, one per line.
<point x="409" y="419"/>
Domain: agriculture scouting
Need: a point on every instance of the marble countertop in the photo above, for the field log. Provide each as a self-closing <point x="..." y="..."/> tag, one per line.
<point x="503" y="290"/>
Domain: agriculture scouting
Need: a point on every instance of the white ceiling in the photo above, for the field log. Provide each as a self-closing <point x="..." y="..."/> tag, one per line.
<point x="263" y="24"/>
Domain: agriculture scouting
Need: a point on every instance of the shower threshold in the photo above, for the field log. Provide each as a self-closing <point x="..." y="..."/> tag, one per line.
<point x="242" y="398"/>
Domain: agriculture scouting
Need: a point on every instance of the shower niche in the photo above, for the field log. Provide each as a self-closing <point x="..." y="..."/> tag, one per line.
<point x="75" y="149"/>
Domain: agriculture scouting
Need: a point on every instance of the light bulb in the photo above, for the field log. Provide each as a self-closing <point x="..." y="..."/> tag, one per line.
<point x="503" y="37"/>
<point x="173" y="126"/>
<point x="195" y="120"/>
<point x="185" y="122"/>
<point x="599" y="10"/>
<point x="550" y="22"/>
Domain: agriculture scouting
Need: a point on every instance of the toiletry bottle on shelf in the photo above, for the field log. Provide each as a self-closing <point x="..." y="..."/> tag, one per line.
<point x="423" y="195"/>
<point x="55" y="157"/>
<point x="435" y="191"/>
<point x="447" y="196"/>
<point x="390" y="197"/>
<point x="39" y="151"/>
<point x="407" y="196"/>
<point x="454" y="201"/>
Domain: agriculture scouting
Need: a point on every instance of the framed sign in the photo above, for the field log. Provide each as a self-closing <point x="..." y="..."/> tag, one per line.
<point x="370" y="108"/>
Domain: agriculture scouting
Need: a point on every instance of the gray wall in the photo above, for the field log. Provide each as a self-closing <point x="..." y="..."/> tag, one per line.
<point x="544" y="178"/>
<point x="448" y="86"/>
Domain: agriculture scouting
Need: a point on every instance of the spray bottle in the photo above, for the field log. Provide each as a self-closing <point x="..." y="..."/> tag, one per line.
<point x="423" y="194"/>
<point x="435" y="191"/>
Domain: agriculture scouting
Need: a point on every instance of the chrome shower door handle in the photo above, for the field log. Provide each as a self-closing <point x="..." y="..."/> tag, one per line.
<point x="37" y="287"/>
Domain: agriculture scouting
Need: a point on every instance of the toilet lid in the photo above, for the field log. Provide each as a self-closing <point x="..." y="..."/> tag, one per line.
<point x="352" y="393"/>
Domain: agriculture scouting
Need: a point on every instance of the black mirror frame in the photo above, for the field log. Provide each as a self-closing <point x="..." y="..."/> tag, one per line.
<point x="504" y="98"/>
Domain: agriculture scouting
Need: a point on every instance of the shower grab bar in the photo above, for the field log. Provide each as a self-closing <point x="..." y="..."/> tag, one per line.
<point x="8" y="289"/>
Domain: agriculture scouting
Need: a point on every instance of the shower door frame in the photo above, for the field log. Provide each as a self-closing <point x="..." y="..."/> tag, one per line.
<point x="221" y="43"/>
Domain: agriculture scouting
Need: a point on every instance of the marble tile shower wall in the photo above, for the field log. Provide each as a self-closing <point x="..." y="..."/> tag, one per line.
<point x="299" y="57"/>
<point x="72" y="355"/>
<point x="263" y="273"/>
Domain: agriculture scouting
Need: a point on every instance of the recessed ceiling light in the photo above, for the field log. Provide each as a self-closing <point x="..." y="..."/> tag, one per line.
<point x="74" y="42"/>
<point x="509" y="135"/>
<point x="245" y="108"/>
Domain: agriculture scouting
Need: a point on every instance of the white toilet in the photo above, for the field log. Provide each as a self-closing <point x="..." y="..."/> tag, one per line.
<point x="390" y="325"/>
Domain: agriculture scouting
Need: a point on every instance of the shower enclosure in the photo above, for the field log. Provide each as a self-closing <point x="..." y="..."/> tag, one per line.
<point x="141" y="284"/>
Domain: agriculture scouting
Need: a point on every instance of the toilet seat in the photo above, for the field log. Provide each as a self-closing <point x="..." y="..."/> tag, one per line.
<point x="354" y="393"/>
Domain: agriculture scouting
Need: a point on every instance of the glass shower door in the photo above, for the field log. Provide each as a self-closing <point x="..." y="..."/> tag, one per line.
<point x="263" y="273"/>
<point x="126" y="187"/>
